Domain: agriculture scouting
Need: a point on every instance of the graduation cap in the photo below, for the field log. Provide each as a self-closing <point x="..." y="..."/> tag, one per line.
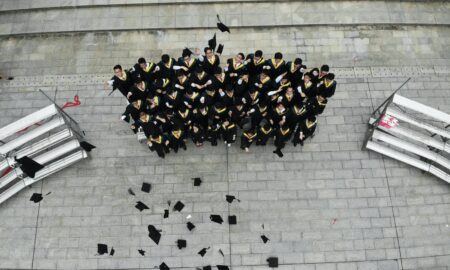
<point x="178" y="206"/>
<point x="216" y="219"/>
<point x="231" y="198"/>
<point x="220" y="49"/>
<point x="146" y="187"/>
<point x="223" y="267"/>
<point x="142" y="252"/>
<point x="29" y="166"/>
<point x="186" y="52"/>
<point x="141" y="206"/>
<point x="273" y="262"/>
<point x="264" y="238"/>
<point x="87" y="146"/>
<point x="222" y="27"/>
<point x="163" y="266"/>
<point x="102" y="249"/>
<point x="111" y="253"/>
<point x="154" y="234"/>
<point x="202" y="252"/>
<point x="131" y="192"/>
<point x="212" y="43"/>
<point x="181" y="243"/>
<point x="166" y="213"/>
<point x="208" y="267"/>
<point x="197" y="181"/>
<point x="190" y="226"/>
<point x="232" y="220"/>
<point x="36" y="197"/>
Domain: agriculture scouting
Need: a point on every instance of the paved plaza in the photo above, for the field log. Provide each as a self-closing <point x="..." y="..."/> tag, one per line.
<point x="325" y="206"/>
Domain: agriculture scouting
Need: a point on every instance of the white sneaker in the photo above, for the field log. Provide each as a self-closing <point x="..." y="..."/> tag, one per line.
<point x="246" y="149"/>
<point x="229" y="145"/>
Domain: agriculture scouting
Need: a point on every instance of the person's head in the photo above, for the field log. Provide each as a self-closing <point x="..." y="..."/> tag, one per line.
<point x="311" y="118"/>
<point x="180" y="74"/>
<point x="199" y="70"/>
<point x="118" y="70"/>
<point x="186" y="55"/>
<point x="298" y="62"/>
<point x="238" y="103"/>
<point x="284" y="81"/>
<point x="208" y="52"/>
<point x="218" y="71"/>
<point x="267" y="126"/>
<point x="165" y="58"/>
<point x="140" y="82"/>
<point x="189" y="91"/>
<point x="142" y="63"/>
<point x="239" y="57"/>
<point x="278" y="57"/>
<point x="324" y="70"/>
<point x="229" y="89"/>
<point x="252" y="90"/>
<point x="307" y="77"/>
<point x="258" y="55"/>
<point x="314" y="72"/>
<point x="290" y="91"/>
<point x="244" y="77"/>
<point x="280" y="106"/>
<point x="329" y="77"/>
<point x="264" y="74"/>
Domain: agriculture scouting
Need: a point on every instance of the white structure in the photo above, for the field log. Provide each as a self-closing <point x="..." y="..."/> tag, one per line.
<point x="49" y="136"/>
<point x="413" y="133"/>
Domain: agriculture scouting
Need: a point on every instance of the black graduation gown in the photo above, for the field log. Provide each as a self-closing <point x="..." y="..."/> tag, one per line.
<point x="192" y="101"/>
<point x="265" y="86"/>
<point x="201" y="117"/>
<point x="309" y="89"/>
<point x="297" y="115"/>
<point x="236" y="116"/>
<point x="213" y="133"/>
<point x="158" y="145"/>
<point x="148" y="74"/>
<point x="146" y="123"/>
<point x="125" y="85"/>
<point x="134" y="111"/>
<point x="326" y="90"/>
<point x="255" y="68"/>
<point x="184" y="117"/>
<point x="306" y="128"/>
<point x="293" y="75"/>
<point x="235" y="69"/>
<point x="190" y="66"/>
<point x="137" y="93"/>
<point x="210" y="97"/>
<point x="276" y="116"/>
<point x="263" y="135"/>
<point x="226" y="99"/>
<point x="276" y="70"/>
<point x="210" y="65"/>
<point x="240" y="89"/>
<point x="318" y="106"/>
<point x="259" y="113"/>
<point x="182" y="85"/>
<point x="229" y="133"/>
<point x="173" y="101"/>
<point x="199" y="80"/>
<point x="289" y="101"/>
<point x="167" y="71"/>
<point x="197" y="137"/>
<point x="282" y="135"/>
<point x="218" y="115"/>
<point x="176" y="140"/>
<point x="160" y="86"/>
<point x="217" y="84"/>
<point x="247" y="139"/>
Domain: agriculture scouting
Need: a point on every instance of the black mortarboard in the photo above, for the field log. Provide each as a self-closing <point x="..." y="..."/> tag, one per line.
<point x="111" y="253"/>
<point x="220" y="49"/>
<point x="223" y="267"/>
<point x="181" y="243"/>
<point x="197" y="181"/>
<point x="178" y="206"/>
<point x="216" y="218"/>
<point x="29" y="166"/>
<point x="131" y="192"/>
<point x="163" y="266"/>
<point x="212" y="43"/>
<point x="202" y="252"/>
<point x="221" y="252"/>
<point x="36" y="197"/>
<point x="264" y="238"/>
<point x="166" y="213"/>
<point x="146" y="187"/>
<point x="208" y="267"/>
<point x="186" y="52"/>
<point x="231" y="198"/>
<point x="142" y="252"/>
<point x="154" y="234"/>
<point x="190" y="226"/>
<point x="87" y="146"/>
<point x="273" y="262"/>
<point x="141" y="206"/>
<point x="232" y="220"/>
<point x="222" y="27"/>
<point x="102" y="249"/>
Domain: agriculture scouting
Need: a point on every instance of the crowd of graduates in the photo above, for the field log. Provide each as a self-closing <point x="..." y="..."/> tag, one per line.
<point x="194" y="98"/>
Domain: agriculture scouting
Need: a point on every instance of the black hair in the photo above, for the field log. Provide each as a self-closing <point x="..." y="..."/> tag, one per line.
<point x="141" y="60"/>
<point x="217" y="70"/>
<point x="258" y="53"/>
<point x="242" y="55"/>
<point x="330" y="76"/>
<point x="278" y="55"/>
<point x="298" y="61"/>
<point x="207" y="49"/>
<point x="117" y="67"/>
<point x="325" y="68"/>
<point x="165" y="58"/>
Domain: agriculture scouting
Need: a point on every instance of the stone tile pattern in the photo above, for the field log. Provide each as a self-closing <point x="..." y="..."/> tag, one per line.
<point x="136" y="15"/>
<point x="328" y="205"/>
